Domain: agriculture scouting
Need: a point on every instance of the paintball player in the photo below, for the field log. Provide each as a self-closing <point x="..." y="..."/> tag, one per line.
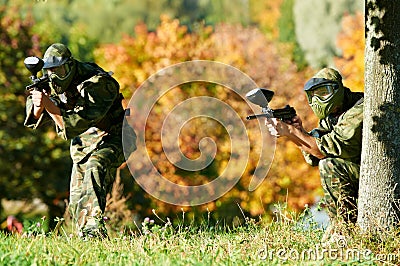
<point x="85" y="104"/>
<point x="335" y="146"/>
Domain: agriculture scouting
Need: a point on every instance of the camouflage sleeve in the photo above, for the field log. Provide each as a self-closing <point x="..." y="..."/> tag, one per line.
<point x="344" y="141"/>
<point x="310" y="159"/>
<point x="97" y="96"/>
<point x="316" y="133"/>
<point x="30" y="121"/>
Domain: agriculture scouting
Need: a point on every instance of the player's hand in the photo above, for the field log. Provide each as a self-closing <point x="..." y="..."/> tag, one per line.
<point x="296" y="122"/>
<point x="37" y="98"/>
<point x="277" y="127"/>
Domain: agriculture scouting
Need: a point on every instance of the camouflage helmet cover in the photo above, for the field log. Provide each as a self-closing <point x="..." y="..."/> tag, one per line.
<point x="56" y="55"/>
<point x="325" y="75"/>
<point x="329" y="73"/>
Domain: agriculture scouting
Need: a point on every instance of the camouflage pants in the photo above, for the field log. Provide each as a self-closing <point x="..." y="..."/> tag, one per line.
<point x="339" y="180"/>
<point x="91" y="180"/>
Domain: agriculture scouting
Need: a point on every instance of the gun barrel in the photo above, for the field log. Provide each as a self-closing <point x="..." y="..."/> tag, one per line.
<point x="32" y="86"/>
<point x="39" y="84"/>
<point x="250" y="117"/>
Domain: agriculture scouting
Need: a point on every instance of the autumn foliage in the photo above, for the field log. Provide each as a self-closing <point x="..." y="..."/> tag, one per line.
<point x="138" y="57"/>
<point x="352" y="43"/>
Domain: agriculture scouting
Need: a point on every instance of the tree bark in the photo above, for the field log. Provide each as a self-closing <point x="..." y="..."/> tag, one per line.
<point x="379" y="192"/>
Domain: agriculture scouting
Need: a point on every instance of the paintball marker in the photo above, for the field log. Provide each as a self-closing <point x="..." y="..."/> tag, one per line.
<point x="262" y="97"/>
<point x="34" y="65"/>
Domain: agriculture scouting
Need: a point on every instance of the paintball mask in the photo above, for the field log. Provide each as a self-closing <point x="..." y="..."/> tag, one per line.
<point x="325" y="92"/>
<point x="60" y="67"/>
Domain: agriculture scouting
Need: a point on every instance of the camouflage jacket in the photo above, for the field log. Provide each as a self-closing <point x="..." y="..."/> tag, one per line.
<point x="91" y="110"/>
<point x="341" y="136"/>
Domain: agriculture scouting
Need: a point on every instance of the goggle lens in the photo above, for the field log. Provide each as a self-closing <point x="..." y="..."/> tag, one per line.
<point x="59" y="72"/>
<point x="323" y="92"/>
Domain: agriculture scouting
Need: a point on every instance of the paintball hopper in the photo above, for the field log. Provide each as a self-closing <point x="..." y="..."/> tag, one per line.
<point x="260" y="96"/>
<point x="34" y="65"/>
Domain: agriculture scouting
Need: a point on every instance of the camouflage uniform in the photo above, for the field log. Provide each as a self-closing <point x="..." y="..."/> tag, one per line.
<point x="93" y="116"/>
<point x="339" y="139"/>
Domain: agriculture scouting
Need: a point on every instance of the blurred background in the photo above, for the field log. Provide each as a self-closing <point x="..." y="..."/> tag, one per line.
<point x="278" y="43"/>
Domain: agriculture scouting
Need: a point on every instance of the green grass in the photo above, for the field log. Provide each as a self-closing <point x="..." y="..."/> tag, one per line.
<point x="285" y="240"/>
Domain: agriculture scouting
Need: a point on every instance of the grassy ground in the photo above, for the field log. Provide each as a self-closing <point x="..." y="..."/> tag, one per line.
<point x="289" y="239"/>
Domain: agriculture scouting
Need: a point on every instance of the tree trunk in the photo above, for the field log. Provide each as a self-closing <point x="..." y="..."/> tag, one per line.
<point x="378" y="206"/>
